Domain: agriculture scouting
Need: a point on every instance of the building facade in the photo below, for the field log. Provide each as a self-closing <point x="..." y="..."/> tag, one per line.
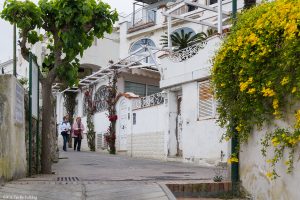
<point x="167" y="110"/>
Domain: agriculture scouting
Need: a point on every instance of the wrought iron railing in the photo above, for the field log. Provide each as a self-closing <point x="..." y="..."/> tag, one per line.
<point x="148" y="101"/>
<point x="186" y="53"/>
<point x="142" y="17"/>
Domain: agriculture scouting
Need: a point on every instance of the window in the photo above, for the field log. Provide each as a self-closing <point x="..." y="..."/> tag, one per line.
<point x="151" y="89"/>
<point x="139" y="44"/>
<point x="206" y="101"/>
<point x="185" y="30"/>
<point x="141" y="89"/>
<point x="136" y="88"/>
<point x="100" y="99"/>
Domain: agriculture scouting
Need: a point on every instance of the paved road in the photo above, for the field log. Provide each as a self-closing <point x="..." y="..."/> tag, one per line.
<point x="86" y="175"/>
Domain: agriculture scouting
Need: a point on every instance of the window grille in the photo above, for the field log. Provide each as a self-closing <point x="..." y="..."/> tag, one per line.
<point x="206" y="101"/>
<point x="100" y="99"/>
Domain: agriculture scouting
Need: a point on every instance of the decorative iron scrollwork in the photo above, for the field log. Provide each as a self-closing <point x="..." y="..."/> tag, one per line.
<point x="184" y="54"/>
<point x="148" y="101"/>
<point x="100" y="99"/>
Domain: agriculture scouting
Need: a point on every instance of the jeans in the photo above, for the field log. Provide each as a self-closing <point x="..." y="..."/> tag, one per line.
<point x="65" y="137"/>
<point x="77" y="142"/>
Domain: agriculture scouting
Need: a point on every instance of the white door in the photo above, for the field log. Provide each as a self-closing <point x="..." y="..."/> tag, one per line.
<point x="123" y="123"/>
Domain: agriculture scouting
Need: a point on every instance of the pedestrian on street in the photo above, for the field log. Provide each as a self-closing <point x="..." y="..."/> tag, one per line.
<point x="78" y="129"/>
<point x="65" y="129"/>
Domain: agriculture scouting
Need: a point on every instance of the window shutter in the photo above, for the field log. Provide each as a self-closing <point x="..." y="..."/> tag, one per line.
<point x="206" y="102"/>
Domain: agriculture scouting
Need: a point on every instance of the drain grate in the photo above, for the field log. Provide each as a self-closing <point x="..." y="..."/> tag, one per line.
<point x="67" y="179"/>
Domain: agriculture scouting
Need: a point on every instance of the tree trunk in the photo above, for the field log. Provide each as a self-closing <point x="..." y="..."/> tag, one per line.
<point x="46" y="127"/>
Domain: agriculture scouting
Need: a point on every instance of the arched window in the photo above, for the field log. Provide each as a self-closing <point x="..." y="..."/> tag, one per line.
<point x="185" y="29"/>
<point x="139" y="44"/>
<point x="100" y="99"/>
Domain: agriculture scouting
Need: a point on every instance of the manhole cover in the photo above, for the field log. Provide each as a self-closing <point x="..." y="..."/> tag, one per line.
<point x="67" y="179"/>
<point x="179" y="172"/>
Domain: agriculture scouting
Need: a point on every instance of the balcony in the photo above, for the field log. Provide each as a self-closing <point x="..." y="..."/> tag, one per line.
<point x="148" y="1"/>
<point x="142" y="19"/>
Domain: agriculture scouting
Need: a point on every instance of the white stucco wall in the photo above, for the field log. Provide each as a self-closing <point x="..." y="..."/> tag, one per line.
<point x="102" y="51"/>
<point x="200" y="137"/>
<point x="253" y="169"/>
<point x="148" y="138"/>
<point x="194" y="68"/>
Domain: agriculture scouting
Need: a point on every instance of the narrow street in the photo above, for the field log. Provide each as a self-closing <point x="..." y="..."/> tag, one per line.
<point x="87" y="175"/>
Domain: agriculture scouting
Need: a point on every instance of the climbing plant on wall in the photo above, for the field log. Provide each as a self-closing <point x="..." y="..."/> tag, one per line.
<point x="256" y="76"/>
<point x="110" y="136"/>
<point x="70" y="104"/>
<point x="90" y="111"/>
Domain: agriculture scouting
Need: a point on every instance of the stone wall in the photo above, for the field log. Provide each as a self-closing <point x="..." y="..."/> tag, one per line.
<point x="12" y="129"/>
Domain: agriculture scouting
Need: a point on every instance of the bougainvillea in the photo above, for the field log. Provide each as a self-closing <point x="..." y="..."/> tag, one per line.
<point x="110" y="136"/>
<point x="256" y="76"/>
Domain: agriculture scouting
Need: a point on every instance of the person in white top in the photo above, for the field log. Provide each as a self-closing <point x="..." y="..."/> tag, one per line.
<point x="65" y="129"/>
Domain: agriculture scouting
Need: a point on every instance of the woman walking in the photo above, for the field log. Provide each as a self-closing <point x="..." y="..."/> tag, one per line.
<point x="78" y="129"/>
<point x="65" y="129"/>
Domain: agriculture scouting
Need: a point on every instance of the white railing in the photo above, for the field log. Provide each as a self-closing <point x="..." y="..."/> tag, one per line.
<point x="148" y="101"/>
<point x="184" y="54"/>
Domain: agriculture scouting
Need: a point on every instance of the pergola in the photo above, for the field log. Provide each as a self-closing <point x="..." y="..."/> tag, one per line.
<point x="203" y="20"/>
<point x="134" y="60"/>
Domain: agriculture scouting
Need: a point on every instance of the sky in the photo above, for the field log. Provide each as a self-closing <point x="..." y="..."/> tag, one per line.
<point x="6" y="38"/>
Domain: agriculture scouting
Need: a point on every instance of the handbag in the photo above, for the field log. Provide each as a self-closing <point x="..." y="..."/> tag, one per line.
<point x="78" y="132"/>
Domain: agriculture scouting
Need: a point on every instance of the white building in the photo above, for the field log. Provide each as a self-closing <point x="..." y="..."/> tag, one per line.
<point x="178" y="123"/>
<point x="175" y="116"/>
<point x="22" y="67"/>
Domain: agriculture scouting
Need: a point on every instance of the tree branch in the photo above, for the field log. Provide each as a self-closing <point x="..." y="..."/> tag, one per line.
<point x="25" y="52"/>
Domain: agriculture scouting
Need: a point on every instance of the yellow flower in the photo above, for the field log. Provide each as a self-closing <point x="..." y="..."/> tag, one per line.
<point x="284" y="81"/>
<point x="232" y="160"/>
<point x="250" y="80"/>
<point x="275" y="142"/>
<point x="223" y="84"/>
<point x="287" y="162"/>
<point x="276" y="113"/>
<point x="275" y="104"/>
<point x="243" y="86"/>
<point x="292" y="141"/>
<point x="253" y="39"/>
<point x="294" y="89"/>
<point x="297" y="116"/>
<point x="267" y="92"/>
<point x="238" y="128"/>
<point x="269" y="175"/>
<point x="251" y="91"/>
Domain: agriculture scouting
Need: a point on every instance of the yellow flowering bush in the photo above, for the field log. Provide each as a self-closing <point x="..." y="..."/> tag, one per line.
<point x="256" y="74"/>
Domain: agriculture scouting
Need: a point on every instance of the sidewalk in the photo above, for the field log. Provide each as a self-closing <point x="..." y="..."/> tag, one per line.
<point x="87" y="175"/>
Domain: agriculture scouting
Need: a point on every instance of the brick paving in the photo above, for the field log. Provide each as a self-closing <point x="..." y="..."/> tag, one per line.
<point x="87" y="175"/>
